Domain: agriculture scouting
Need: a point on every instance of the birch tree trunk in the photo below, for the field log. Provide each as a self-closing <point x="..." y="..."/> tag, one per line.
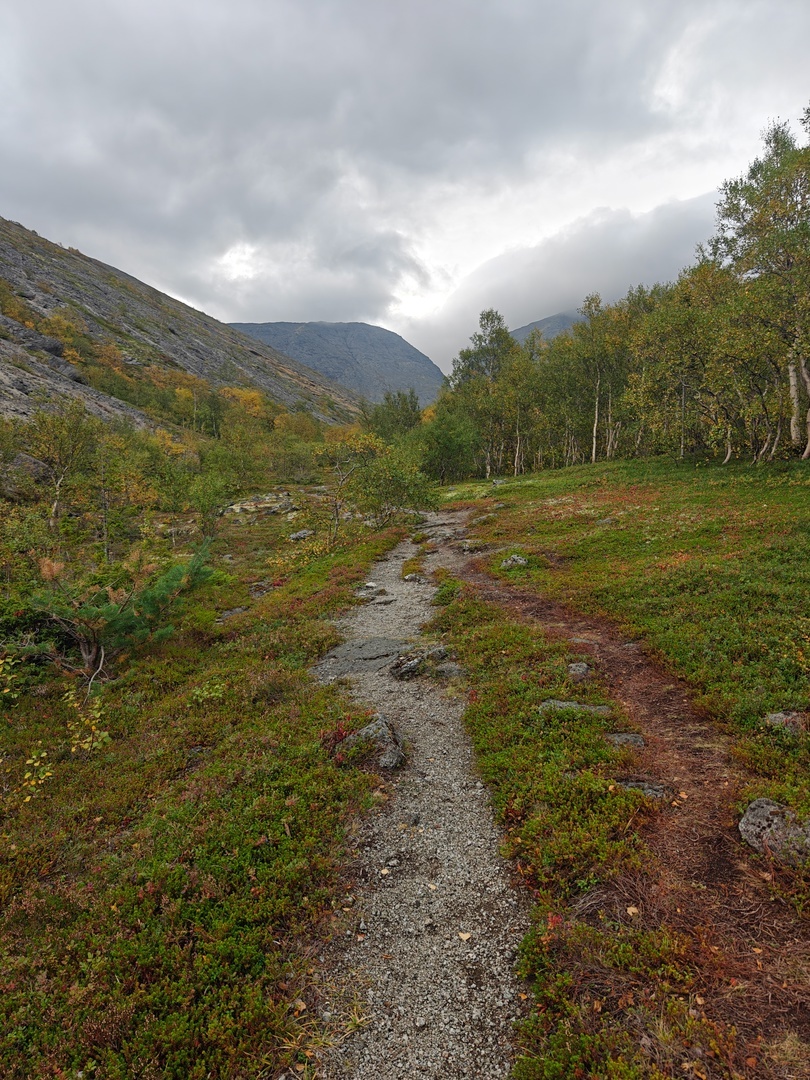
<point x="595" y="418"/>
<point x="806" y="380"/>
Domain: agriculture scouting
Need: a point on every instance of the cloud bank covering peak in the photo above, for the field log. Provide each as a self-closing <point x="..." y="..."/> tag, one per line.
<point x="400" y="164"/>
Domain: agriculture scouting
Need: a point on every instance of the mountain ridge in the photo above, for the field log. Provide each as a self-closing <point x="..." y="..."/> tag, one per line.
<point x="550" y="327"/>
<point x="153" y="333"/>
<point x="365" y="358"/>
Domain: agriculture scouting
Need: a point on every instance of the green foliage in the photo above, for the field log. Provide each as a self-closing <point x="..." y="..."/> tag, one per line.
<point x="100" y="618"/>
<point x="717" y="363"/>
<point x="709" y="564"/>
<point x="9" y="691"/>
<point x="83" y="725"/>
<point x="449" y="442"/>
<point x="156" y="891"/>
<point x="390" y="485"/>
<point x="396" y="415"/>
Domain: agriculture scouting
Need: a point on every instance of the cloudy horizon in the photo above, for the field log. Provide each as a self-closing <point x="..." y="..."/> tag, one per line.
<point x="344" y="160"/>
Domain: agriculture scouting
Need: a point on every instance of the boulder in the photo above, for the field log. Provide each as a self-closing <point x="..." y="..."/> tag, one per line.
<point x="775" y="830"/>
<point x="29" y="338"/>
<point x="302" y="534"/>
<point x="382" y="738"/>
<point x="513" y="561"/>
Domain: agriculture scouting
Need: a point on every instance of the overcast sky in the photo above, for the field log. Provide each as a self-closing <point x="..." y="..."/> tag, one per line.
<point x="406" y="164"/>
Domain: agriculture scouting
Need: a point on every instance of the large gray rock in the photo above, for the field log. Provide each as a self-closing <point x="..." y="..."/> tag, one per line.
<point x="368" y="654"/>
<point x="28" y="338"/>
<point x="775" y="830"/>
<point x="382" y="738"/>
<point x="272" y="503"/>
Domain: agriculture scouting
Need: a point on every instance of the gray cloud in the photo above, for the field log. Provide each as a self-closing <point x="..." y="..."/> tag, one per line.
<point x="609" y="252"/>
<point x="296" y="159"/>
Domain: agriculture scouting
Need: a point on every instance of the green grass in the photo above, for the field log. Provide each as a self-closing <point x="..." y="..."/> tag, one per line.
<point x="711" y="567"/>
<point x="709" y="564"/>
<point x="156" y="891"/>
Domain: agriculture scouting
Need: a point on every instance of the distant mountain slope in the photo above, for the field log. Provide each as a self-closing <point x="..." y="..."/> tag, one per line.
<point x="365" y="358"/>
<point x="153" y="334"/>
<point x="550" y="326"/>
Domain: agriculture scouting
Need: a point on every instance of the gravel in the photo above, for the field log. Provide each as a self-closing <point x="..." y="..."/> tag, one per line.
<point x="418" y="978"/>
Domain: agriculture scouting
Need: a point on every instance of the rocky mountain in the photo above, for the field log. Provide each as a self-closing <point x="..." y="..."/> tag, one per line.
<point x="550" y="326"/>
<point x="365" y="358"/>
<point x="60" y="307"/>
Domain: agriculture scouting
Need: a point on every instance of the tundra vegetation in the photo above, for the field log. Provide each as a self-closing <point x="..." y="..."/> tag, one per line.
<point x="171" y="819"/>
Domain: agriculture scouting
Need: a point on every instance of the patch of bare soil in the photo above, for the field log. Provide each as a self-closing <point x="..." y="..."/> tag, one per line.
<point x="750" y="948"/>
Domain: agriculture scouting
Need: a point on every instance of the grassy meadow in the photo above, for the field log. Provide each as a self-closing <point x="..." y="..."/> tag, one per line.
<point x="709" y="566"/>
<point x="161" y="890"/>
<point x="156" y="889"/>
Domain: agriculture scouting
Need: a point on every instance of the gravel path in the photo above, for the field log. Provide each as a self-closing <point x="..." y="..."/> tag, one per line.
<point x="423" y="954"/>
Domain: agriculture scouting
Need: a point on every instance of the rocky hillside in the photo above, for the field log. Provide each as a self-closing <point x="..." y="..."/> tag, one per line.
<point x="75" y="327"/>
<point x="550" y="326"/>
<point x="365" y="358"/>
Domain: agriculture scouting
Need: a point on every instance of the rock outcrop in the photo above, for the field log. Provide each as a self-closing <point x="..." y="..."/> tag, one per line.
<point x="39" y="279"/>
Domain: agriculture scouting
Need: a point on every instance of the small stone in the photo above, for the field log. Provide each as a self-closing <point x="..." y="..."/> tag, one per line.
<point x="651" y="788"/>
<point x="774" y="829"/>
<point x="408" y="666"/>
<point x="420" y="1022"/>
<point x="513" y="561"/>
<point x="787" y="719"/>
<point x="449" y="671"/>
<point x="579" y="671"/>
<point x="625" y="738"/>
<point x="302" y="534"/>
<point x="230" y="614"/>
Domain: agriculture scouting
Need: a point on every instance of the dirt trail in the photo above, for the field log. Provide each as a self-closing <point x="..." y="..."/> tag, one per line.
<point x="431" y="1003"/>
<point x="752" y="951"/>
<point x="423" y="953"/>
